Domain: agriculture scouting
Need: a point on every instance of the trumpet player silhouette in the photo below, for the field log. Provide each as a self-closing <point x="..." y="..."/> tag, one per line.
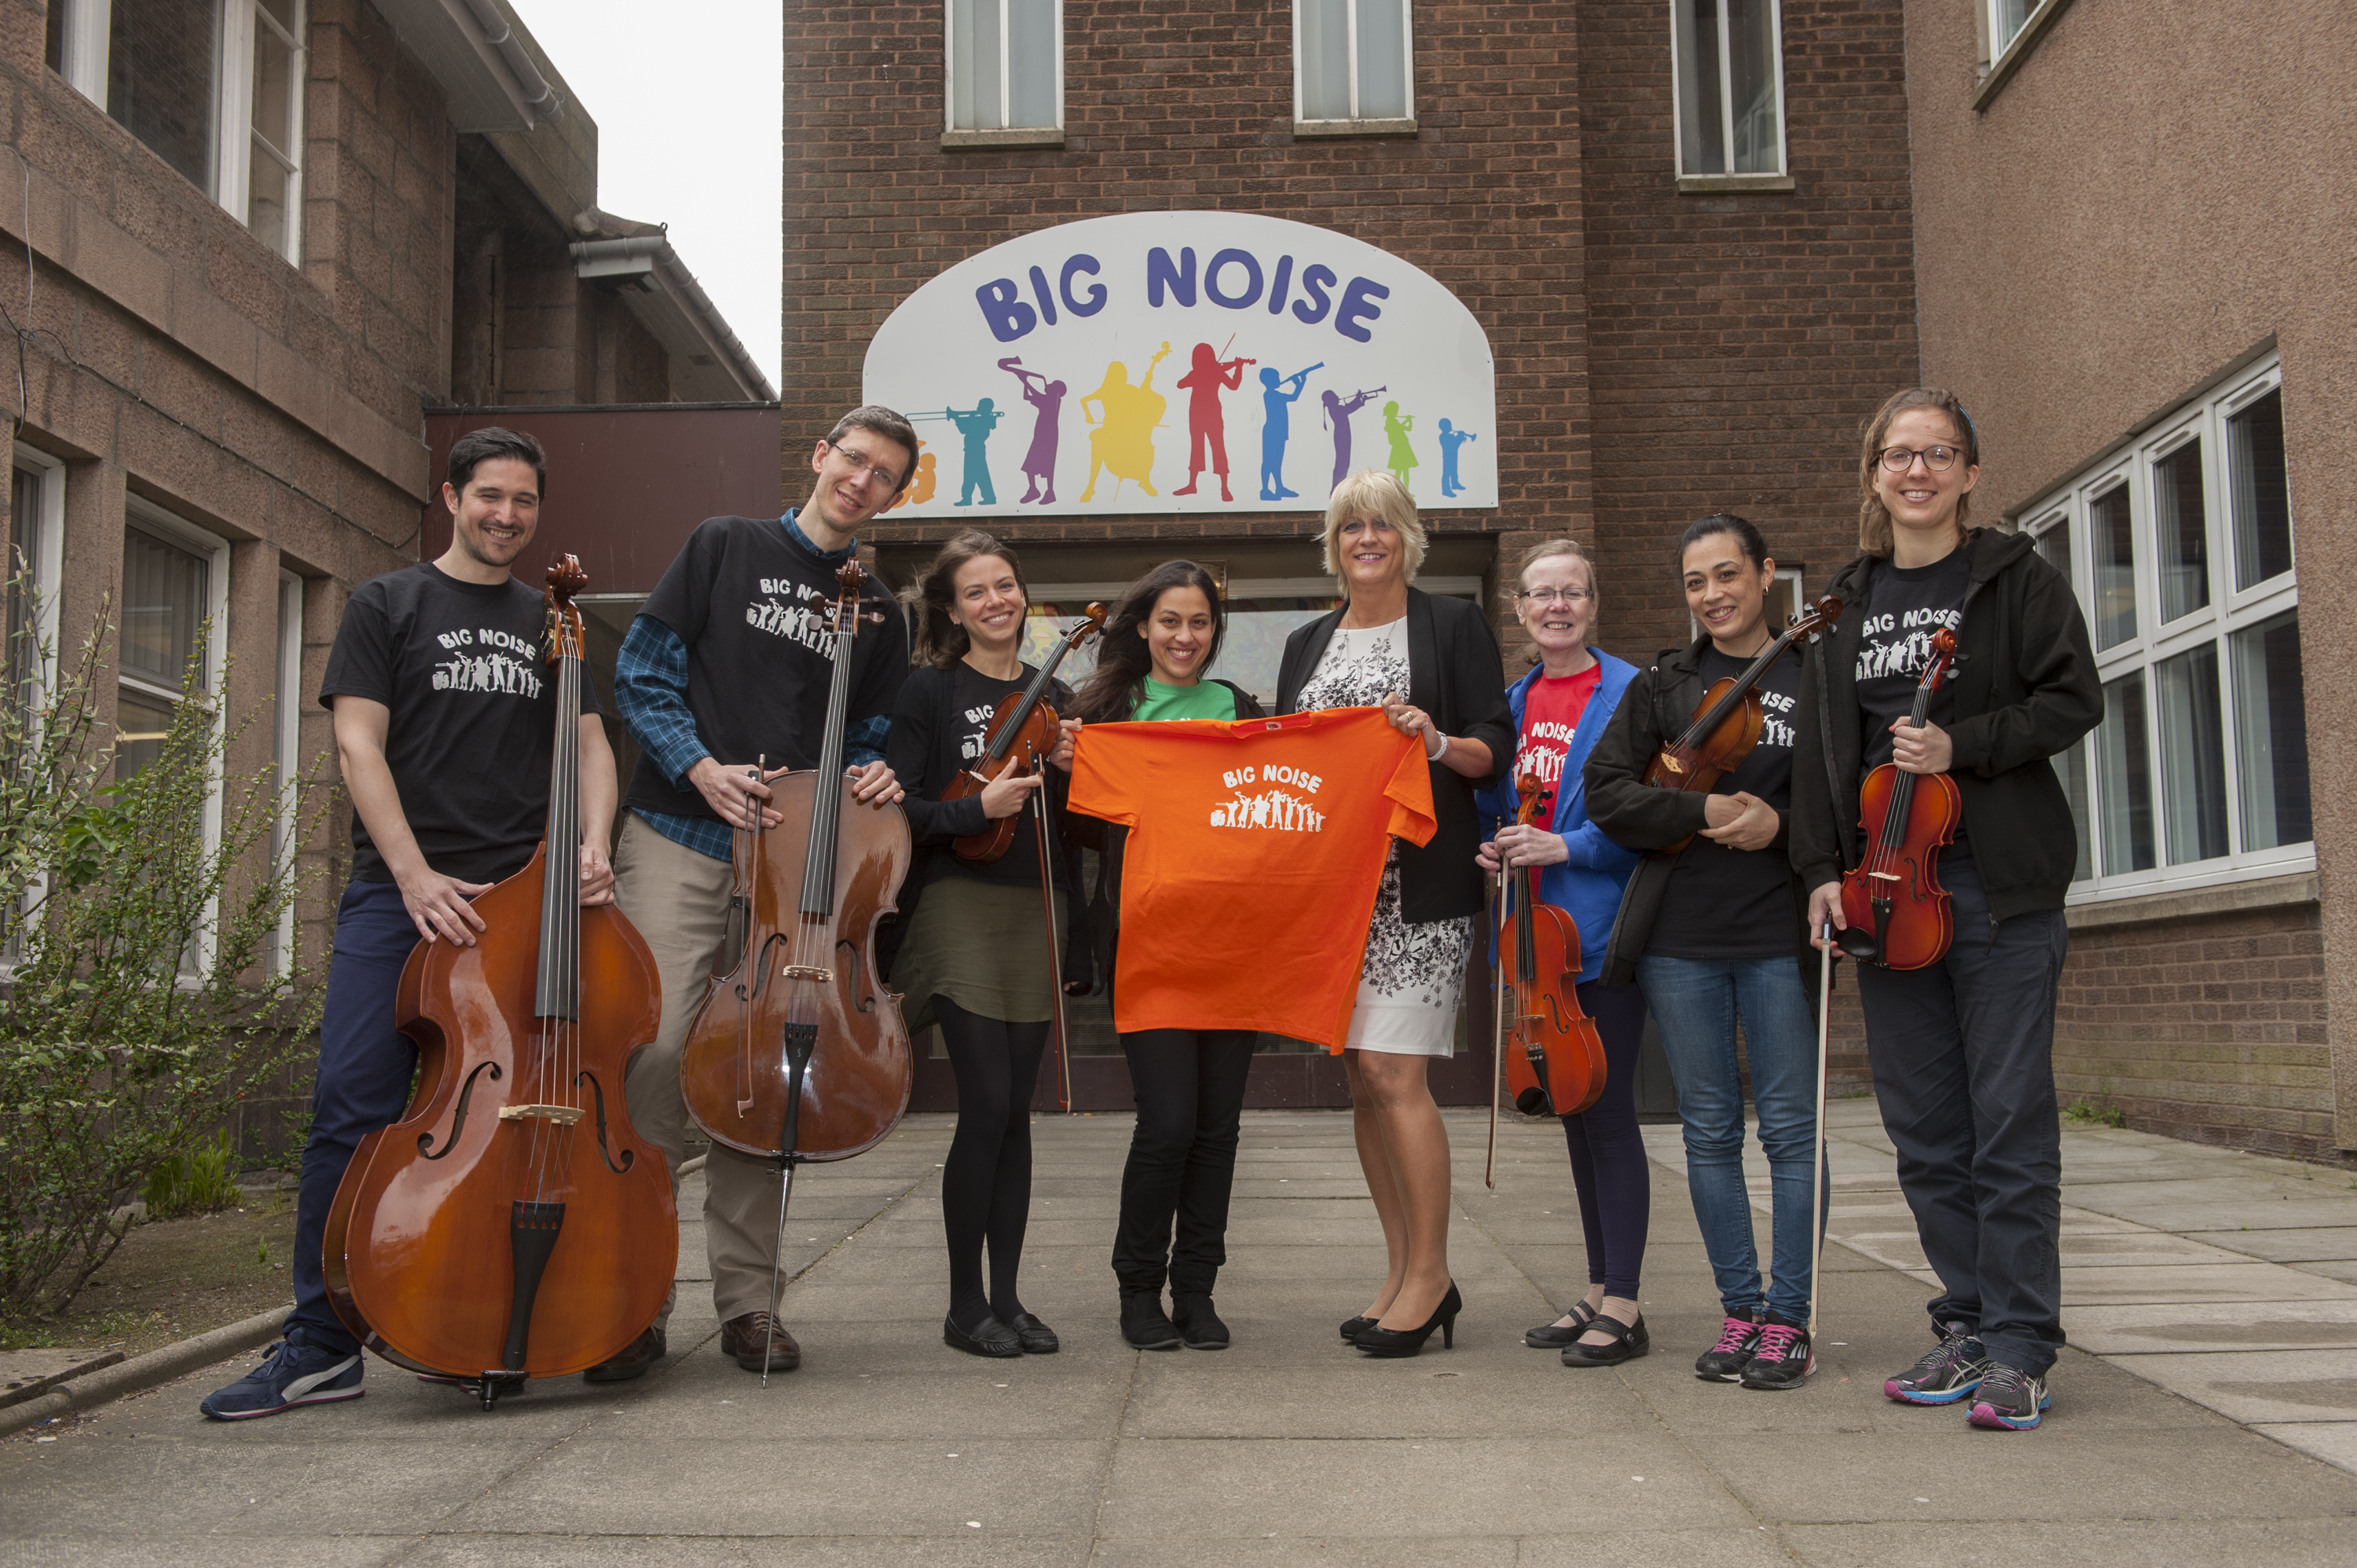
<point x="1276" y="427"/>
<point x="1450" y="440"/>
<point x="1337" y="418"/>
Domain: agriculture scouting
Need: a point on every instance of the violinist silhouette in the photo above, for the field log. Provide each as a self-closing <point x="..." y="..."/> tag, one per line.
<point x="1206" y="424"/>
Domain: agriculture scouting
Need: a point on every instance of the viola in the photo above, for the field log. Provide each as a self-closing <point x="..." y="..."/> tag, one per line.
<point x="1554" y="1057"/>
<point x="513" y="1224"/>
<point x="1728" y="721"/>
<point x="1898" y="912"/>
<point x="1021" y="734"/>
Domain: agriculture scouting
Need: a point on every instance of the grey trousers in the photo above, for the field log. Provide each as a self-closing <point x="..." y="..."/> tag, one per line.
<point x="678" y="899"/>
<point x="1963" y="1069"/>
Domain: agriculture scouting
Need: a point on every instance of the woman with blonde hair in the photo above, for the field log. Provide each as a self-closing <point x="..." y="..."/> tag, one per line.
<point x="1432" y="664"/>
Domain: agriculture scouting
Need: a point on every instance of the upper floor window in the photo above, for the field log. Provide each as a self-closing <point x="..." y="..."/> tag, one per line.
<point x="1006" y="65"/>
<point x="1352" y="61"/>
<point x="2180" y="550"/>
<point x="1729" y="86"/>
<point x="2005" y="20"/>
<point x="212" y="87"/>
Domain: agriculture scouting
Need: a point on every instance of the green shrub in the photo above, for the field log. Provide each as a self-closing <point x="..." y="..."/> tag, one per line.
<point x="2085" y="1112"/>
<point x="200" y="1180"/>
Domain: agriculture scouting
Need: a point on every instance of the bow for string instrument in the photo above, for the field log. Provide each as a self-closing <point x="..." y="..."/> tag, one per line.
<point x="1022" y="733"/>
<point x="513" y="1224"/>
<point x="1728" y="721"/>
<point x="1895" y="893"/>
<point x="1554" y="1058"/>
<point x="797" y="1054"/>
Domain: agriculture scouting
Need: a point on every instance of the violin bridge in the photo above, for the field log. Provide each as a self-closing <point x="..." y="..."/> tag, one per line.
<point x="1885" y="877"/>
<point x="805" y="972"/>
<point x="562" y="1115"/>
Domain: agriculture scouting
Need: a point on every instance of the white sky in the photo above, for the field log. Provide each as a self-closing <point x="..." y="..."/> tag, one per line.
<point x="689" y="132"/>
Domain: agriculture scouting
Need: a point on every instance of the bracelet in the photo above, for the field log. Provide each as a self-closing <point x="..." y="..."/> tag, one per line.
<point x="1436" y="756"/>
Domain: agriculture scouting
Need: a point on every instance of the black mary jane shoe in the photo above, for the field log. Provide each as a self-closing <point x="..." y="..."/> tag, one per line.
<point x="990" y="1338"/>
<point x="1387" y="1343"/>
<point x="1629" y="1341"/>
<point x="1035" y="1338"/>
<point x="1556" y="1336"/>
<point x="1354" y="1326"/>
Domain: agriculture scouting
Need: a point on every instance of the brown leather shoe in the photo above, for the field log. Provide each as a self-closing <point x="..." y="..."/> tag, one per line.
<point x="750" y="1337"/>
<point x="631" y="1361"/>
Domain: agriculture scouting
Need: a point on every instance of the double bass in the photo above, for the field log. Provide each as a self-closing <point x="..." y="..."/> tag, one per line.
<point x="797" y="1053"/>
<point x="1553" y="1056"/>
<point x="1021" y="734"/>
<point x="513" y="1224"/>
<point x="1898" y="914"/>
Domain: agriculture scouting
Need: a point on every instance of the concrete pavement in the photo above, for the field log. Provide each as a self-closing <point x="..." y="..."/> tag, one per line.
<point x="889" y="1448"/>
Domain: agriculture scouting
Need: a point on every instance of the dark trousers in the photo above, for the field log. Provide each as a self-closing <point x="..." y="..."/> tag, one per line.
<point x="1607" y="1153"/>
<point x="1963" y="1069"/>
<point x="1189" y="1086"/>
<point x="362" y="1083"/>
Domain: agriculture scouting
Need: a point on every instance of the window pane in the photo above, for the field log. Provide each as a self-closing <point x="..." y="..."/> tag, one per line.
<point x="2071" y="768"/>
<point x="274" y="91"/>
<point x="974" y="65"/>
<point x="140" y="722"/>
<point x="1382" y="60"/>
<point x="1032" y="51"/>
<point x="2182" y="524"/>
<point x="285" y="12"/>
<point x="2192" y="755"/>
<point x="1702" y="137"/>
<point x="266" y="198"/>
<point x="1325" y="59"/>
<point x="2009" y="17"/>
<point x="2259" y="492"/>
<point x="1752" y="56"/>
<point x="163" y="606"/>
<point x="2271" y="733"/>
<point x="2108" y="526"/>
<point x="2124" y="776"/>
<point x="2054" y="547"/>
<point x="162" y="65"/>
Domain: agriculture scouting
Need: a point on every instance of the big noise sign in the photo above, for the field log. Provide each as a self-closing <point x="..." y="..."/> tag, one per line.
<point x="1181" y="362"/>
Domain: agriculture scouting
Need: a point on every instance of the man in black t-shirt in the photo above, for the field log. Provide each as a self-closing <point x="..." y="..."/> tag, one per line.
<point x="728" y="665"/>
<point x="444" y="715"/>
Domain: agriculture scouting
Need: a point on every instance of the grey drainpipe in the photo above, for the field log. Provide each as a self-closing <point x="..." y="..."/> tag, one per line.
<point x="538" y="95"/>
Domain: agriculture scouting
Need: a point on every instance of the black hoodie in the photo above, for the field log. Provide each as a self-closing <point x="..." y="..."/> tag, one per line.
<point x="2025" y="688"/>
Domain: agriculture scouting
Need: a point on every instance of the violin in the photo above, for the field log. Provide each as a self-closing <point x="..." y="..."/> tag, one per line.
<point x="1022" y="733"/>
<point x="797" y="1054"/>
<point x="1554" y="1057"/>
<point x="1894" y="893"/>
<point x="1728" y="721"/>
<point x="513" y="1224"/>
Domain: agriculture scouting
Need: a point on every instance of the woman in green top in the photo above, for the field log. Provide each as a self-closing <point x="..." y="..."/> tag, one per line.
<point x="1188" y="1083"/>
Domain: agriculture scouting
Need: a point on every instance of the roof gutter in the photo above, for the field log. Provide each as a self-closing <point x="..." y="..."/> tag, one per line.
<point x="539" y="99"/>
<point x="642" y="255"/>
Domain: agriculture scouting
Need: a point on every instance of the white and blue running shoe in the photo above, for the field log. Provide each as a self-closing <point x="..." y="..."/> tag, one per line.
<point x="296" y="1373"/>
<point x="1944" y="1376"/>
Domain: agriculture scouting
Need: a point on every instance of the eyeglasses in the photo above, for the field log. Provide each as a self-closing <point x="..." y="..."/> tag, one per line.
<point x="1939" y="459"/>
<point x="1556" y="595"/>
<point x="864" y="468"/>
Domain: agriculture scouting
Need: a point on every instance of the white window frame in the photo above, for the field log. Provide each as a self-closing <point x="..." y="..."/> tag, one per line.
<point x="88" y="25"/>
<point x="1993" y="34"/>
<point x="1407" y="64"/>
<point x="2153" y="644"/>
<point x="1005" y="72"/>
<point x="287" y="737"/>
<point x="51" y="527"/>
<point x="1726" y="104"/>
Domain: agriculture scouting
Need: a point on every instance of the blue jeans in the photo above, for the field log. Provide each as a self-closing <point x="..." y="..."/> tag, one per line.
<point x="1697" y="1003"/>
<point x="362" y="1083"/>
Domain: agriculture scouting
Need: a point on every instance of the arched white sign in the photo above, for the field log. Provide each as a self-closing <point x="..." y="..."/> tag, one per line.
<point x="1185" y="362"/>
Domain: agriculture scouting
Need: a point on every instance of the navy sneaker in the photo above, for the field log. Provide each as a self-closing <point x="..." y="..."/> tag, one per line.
<point x="1783" y="1359"/>
<point x="1738" y="1340"/>
<point x="2010" y="1399"/>
<point x="1944" y="1376"/>
<point x="296" y="1373"/>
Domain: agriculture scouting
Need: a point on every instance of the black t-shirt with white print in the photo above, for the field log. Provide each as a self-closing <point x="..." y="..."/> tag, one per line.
<point x="462" y="670"/>
<point x="1906" y="606"/>
<point x="751" y="605"/>
<point x="1735" y="903"/>
<point x="940" y="728"/>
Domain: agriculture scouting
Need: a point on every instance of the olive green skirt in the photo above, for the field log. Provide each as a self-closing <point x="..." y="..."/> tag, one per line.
<point x="983" y="945"/>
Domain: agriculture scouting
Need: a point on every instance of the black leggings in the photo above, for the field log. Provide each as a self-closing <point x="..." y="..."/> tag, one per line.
<point x="987" y="1180"/>
<point x="1189" y="1085"/>
<point x="1609" y="1166"/>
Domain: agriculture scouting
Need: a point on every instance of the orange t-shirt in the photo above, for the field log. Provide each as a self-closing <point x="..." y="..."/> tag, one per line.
<point x="1255" y="848"/>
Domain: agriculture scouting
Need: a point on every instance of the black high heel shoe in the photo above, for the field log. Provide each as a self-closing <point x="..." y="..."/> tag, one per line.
<point x="1354" y="1326"/>
<point x="1390" y="1342"/>
<point x="1629" y="1341"/>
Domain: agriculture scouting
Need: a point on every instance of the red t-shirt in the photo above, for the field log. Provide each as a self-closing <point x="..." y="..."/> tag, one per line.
<point x="1550" y="712"/>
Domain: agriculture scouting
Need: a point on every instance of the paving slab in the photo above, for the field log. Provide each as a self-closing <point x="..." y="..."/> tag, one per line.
<point x="2274" y="1326"/>
<point x="2262" y="1386"/>
<point x="2322" y="1243"/>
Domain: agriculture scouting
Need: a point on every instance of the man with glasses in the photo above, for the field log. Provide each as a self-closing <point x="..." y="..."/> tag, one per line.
<point x="728" y="667"/>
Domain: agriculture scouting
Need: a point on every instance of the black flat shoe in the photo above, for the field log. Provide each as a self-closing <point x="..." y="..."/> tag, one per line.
<point x="1391" y="1342"/>
<point x="1629" y="1341"/>
<point x="1144" y="1323"/>
<point x="1354" y="1326"/>
<point x="990" y="1338"/>
<point x="1035" y="1338"/>
<point x="1556" y="1336"/>
<point x="1198" y="1326"/>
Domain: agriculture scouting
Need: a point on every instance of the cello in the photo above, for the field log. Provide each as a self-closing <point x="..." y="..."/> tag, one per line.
<point x="513" y="1224"/>
<point x="797" y="1054"/>
<point x="1728" y="721"/>
<point x="1022" y="732"/>
<point x="1554" y="1057"/>
<point x="1895" y="893"/>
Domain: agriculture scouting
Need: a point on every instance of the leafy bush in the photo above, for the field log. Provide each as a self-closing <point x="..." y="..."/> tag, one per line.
<point x="2085" y="1112"/>
<point x="140" y="1003"/>
<point x="197" y="1180"/>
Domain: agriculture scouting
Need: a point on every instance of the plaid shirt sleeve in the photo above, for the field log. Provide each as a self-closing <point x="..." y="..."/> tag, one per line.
<point x="863" y="739"/>
<point x="651" y="696"/>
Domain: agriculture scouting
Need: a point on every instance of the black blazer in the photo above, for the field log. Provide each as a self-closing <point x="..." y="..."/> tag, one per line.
<point x="1456" y="674"/>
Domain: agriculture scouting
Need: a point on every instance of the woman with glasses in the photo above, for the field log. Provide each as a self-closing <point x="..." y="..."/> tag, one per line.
<point x="1560" y="710"/>
<point x="1713" y="934"/>
<point x="1962" y="1049"/>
